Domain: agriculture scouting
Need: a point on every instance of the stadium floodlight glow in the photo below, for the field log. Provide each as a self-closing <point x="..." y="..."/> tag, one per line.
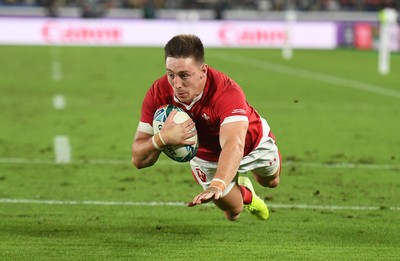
<point x="287" y="50"/>
<point x="387" y="19"/>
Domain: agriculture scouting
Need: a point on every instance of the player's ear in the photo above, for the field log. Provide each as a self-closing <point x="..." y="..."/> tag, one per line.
<point x="204" y="69"/>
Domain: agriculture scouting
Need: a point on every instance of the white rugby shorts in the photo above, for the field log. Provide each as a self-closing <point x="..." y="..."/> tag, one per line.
<point x="264" y="160"/>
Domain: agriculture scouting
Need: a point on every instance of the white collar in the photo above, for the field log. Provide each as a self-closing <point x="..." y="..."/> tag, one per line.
<point x="188" y="107"/>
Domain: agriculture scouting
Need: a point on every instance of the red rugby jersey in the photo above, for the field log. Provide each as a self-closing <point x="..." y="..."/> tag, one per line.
<point x="222" y="100"/>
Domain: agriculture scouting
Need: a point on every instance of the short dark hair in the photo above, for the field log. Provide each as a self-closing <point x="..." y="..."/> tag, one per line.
<point x="183" y="46"/>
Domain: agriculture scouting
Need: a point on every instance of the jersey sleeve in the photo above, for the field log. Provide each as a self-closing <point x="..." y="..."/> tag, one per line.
<point x="159" y="93"/>
<point x="147" y="112"/>
<point x="148" y="107"/>
<point x="233" y="105"/>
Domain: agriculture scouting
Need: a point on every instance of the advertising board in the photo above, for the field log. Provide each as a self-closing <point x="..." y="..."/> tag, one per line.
<point x="124" y="32"/>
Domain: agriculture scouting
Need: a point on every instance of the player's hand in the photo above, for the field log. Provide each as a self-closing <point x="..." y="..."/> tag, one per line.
<point x="177" y="133"/>
<point x="212" y="193"/>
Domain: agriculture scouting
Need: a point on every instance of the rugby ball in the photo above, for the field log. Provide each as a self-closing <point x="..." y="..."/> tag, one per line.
<point x="180" y="153"/>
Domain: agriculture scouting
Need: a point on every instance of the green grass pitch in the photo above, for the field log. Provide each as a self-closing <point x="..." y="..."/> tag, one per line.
<point x="337" y="125"/>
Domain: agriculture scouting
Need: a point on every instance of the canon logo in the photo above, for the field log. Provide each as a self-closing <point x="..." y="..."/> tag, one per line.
<point x="53" y="32"/>
<point x="233" y="35"/>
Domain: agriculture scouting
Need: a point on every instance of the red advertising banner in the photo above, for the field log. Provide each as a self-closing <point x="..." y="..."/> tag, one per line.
<point x="363" y="36"/>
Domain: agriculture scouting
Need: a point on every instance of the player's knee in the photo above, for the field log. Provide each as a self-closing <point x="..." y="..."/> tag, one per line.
<point x="270" y="182"/>
<point x="232" y="216"/>
<point x="273" y="183"/>
<point x="234" y="213"/>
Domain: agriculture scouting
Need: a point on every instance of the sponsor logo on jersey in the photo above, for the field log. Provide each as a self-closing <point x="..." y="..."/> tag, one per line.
<point x="238" y="111"/>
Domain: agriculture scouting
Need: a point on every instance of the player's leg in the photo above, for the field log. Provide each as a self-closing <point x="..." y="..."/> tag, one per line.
<point x="265" y="161"/>
<point x="269" y="175"/>
<point x="252" y="203"/>
<point x="241" y="195"/>
<point x="231" y="204"/>
<point x="235" y="195"/>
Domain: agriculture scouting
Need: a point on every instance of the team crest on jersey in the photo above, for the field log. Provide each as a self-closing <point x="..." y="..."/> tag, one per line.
<point x="202" y="176"/>
<point x="205" y="116"/>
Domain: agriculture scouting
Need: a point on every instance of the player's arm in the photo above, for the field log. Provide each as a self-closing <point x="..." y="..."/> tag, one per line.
<point x="144" y="153"/>
<point x="232" y="140"/>
<point x="146" y="148"/>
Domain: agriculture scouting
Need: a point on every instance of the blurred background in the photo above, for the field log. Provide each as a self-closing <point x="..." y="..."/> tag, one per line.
<point x="356" y="22"/>
<point x="207" y="9"/>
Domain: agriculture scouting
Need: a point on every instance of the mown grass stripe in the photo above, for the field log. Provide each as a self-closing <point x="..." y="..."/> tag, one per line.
<point x="170" y="162"/>
<point x="180" y="204"/>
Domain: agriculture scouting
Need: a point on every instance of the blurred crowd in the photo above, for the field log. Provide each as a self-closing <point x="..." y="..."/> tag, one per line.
<point x="150" y="6"/>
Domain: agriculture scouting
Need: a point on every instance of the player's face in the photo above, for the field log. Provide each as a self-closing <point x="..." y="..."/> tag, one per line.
<point x="186" y="77"/>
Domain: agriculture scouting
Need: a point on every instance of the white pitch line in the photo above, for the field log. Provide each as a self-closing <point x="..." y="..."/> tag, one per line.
<point x="56" y="70"/>
<point x="326" y="78"/>
<point x="180" y="204"/>
<point x="62" y="149"/>
<point x="166" y="162"/>
<point x="59" y="102"/>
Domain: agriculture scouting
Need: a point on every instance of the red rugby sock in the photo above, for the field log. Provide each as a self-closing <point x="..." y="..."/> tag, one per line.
<point x="246" y="194"/>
